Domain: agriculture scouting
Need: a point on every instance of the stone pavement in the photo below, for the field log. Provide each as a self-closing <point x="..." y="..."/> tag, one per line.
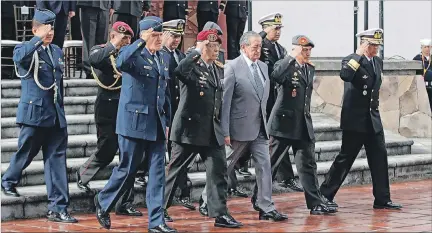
<point x="355" y="215"/>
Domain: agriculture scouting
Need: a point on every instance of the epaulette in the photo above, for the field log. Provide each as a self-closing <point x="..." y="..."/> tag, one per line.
<point x="218" y="63"/>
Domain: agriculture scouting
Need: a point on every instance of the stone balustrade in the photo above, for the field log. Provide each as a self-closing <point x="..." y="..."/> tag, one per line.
<point x="404" y="105"/>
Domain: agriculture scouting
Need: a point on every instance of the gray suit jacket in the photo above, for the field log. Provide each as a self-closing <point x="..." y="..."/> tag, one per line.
<point x="242" y="107"/>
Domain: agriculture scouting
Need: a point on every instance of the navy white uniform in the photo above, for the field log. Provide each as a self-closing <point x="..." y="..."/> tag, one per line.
<point x="426" y="71"/>
<point x="143" y="114"/>
<point x="41" y="119"/>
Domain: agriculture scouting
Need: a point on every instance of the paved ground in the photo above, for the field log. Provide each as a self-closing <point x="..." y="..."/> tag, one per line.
<point x="355" y="215"/>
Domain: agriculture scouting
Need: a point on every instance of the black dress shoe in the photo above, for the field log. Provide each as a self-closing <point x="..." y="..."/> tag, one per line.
<point x="80" y="185"/>
<point x="237" y="192"/>
<point x="322" y="209"/>
<point x="129" y="211"/>
<point x="291" y="184"/>
<point x="254" y="204"/>
<point x="162" y="228"/>
<point x="227" y="221"/>
<point x="167" y="217"/>
<point x="141" y="181"/>
<point x="102" y="217"/>
<point x="329" y="203"/>
<point x="244" y="171"/>
<point x="389" y="205"/>
<point x="63" y="217"/>
<point x="185" y="201"/>
<point x="272" y="215"/>
<point x="203" y="207"/>
<point x="10" y="191"/>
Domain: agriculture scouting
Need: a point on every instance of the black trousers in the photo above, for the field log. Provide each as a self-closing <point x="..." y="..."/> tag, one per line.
<point x="76" y="34"/>
<point x="304" y="156"/>
<point x="94" y="31"/>
<point x="61" y="22"/>
<point x="205" y="16"/>
<point x="216" y="173"/>
<point x="429" y="92"/>
<point x="352" y="142"/>
<point x="131" y="20"/>
<point x="235" y="28"/>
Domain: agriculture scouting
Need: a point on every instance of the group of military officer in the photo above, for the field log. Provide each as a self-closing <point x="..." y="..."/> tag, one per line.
<point x="151" y="93"/>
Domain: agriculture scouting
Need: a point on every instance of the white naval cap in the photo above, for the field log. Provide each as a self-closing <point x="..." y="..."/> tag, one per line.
<point x="271" y="19"/>
<point x="373" y="36"/>
<point x="176" y="26"/>
<point x="426" y="42"/>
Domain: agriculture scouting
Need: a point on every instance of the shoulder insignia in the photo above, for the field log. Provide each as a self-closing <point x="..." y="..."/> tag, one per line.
<point x="218" y="63"/>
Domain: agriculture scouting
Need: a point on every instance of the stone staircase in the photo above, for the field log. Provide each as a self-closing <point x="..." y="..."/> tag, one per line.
<point x="79" y="101"/>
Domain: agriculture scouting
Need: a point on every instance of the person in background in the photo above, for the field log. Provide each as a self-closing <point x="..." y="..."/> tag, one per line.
<point x="236" y="15"/>
<point x="129" y="12"/>
<point x="207" y="11"/>
<point x="64" y="10"/>
<point x="94" y="27"/>
<point x="425" y="57"/>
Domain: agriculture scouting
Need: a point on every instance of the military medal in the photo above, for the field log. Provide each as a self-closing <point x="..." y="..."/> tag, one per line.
<point x="294" y="93"/>
<point x="201" y="93"/>
<point x="364" y="92"/>
<point x="295" y="73"/>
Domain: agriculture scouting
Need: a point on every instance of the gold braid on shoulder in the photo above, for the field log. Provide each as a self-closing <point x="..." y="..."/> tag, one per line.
<point x="117" y="76"/>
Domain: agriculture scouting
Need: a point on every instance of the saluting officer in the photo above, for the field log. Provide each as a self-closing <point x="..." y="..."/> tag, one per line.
<point x="41" y="116"/>
<point x="197" y="127"/>
<point x="271" y="52"/>
<point x="207" y="11"/>
<point x="290" y="122"/>
<point x="142" y="121"/>
<point x="236" y="15"/>
<point x="426" y="72"/>
<point x="104" y="71"/>
<point x="361" y="122"/>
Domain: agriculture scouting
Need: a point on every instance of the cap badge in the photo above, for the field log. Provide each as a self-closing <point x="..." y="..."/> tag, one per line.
<point x="212" y="37"/>
<point x="378" y="35"/>
<point x="121" y="29"/>
<point x="302" y="40"/>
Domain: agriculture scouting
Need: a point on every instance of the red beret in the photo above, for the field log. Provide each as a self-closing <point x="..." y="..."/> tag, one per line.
<point x="122" y="27"/>
<point x="210" y="35"/>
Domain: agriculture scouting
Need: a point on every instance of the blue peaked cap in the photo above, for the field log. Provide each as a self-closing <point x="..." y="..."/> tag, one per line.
<point x="151" y="22"/>
<point x="44" y="16"/>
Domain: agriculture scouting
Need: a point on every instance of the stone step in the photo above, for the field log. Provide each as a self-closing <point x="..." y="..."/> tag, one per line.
<point x="77" y="125"/>
<point x="324" y="151"/>
<point x="326" y="129"/>
<point x="73" y="105"/>
<point x="33" y="202"/>
<point x="73" y="87"/>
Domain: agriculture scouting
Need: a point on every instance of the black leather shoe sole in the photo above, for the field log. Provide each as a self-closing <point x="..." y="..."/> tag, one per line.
<point x="227" y="225"/>
<point x="319" y="212"/>
<point x="129" y="214"/>
<point x="189" y="206"/>
<point x="387" y="207"/>
<point x="9" y="193"/>
<point x="53" y="219"/>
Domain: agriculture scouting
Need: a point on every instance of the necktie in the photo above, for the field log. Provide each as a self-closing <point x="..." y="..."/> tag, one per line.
<point x="257" y="80"/>
<point x="49" y="55"/>
<point x="372" y="64"/>
<point x="304" y="68"/>
<point x="277" y="50"/>
<point x="175" y="57"/>
<point x="212" y="72"/>
<point x="155" y="58"/>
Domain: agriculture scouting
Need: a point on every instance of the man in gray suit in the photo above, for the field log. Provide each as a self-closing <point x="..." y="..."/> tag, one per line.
<point x="246" y="90"/>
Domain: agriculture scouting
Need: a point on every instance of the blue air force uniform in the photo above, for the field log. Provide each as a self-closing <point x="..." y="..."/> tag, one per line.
<point x="143" y="114"/>
<point x="41" y="118"/>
